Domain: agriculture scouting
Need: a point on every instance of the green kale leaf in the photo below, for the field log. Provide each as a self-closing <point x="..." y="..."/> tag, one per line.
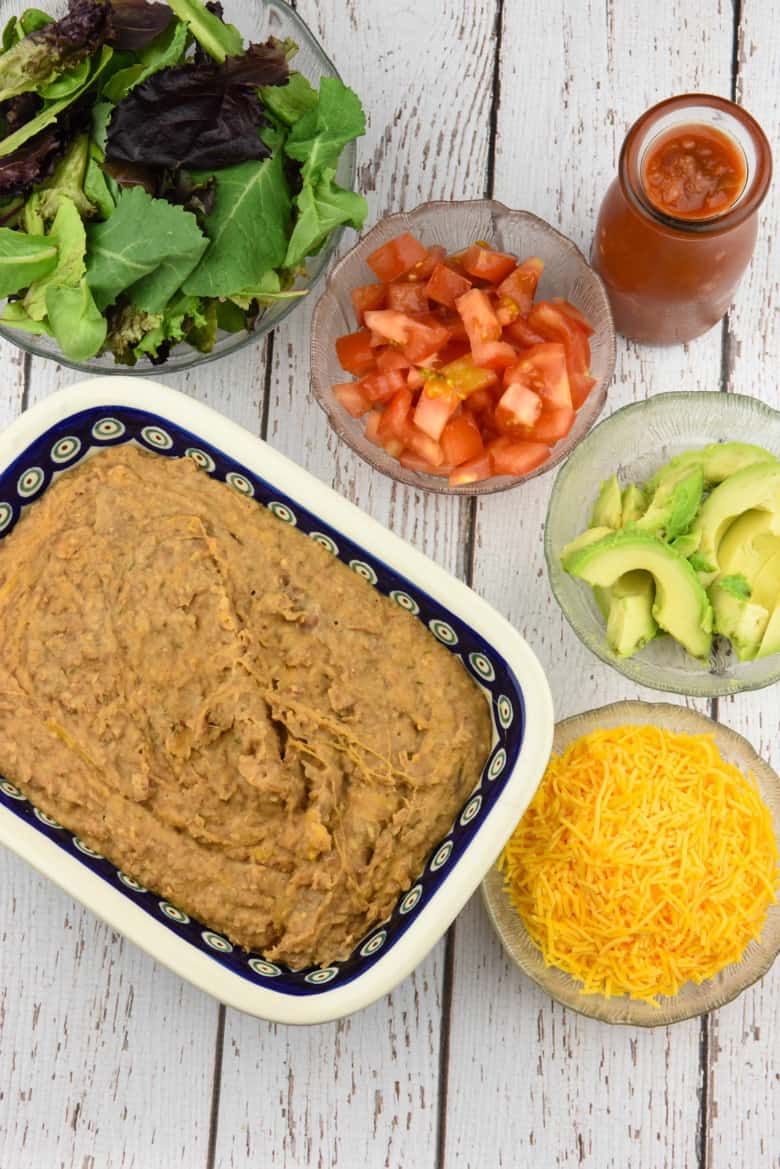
<point x="248" y="228"/>
<point x="321" y="208"/>
<point x="142" y="234"/>
<point x="24" y="259"/>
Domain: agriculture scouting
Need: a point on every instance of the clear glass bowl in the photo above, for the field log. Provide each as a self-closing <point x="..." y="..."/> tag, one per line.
<point x="633" y="443"/>
<point x="455" y="225"/>
<point x="691" y="1000"/>
<point x="256" y="20"/>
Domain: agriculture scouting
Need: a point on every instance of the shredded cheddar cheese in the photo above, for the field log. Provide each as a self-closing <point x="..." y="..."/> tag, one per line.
<point x="644" y="861"/>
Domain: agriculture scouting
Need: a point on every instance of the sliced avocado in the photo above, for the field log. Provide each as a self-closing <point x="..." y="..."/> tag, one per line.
<point x="766" y="583"/>
<point x="674" y="505"/>
<point x="755" y="488"/>
<point x="630" y="622"/>
<point x="634" y="503"/>
<point x="739" y="619"/>
<point x="603" y="600"/>
<point x="589" y="536"/>
<point x="681" y="605"/>
<point x="608" y="508"/>
<point x="686" y="545"/>
<point x="770" y="642"/>
<point x="717" y="462"/>
<point x="748" y="543"/>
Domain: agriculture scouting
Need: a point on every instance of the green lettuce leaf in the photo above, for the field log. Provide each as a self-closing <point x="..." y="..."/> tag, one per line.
<point x="19" y="27"/>
<point x="64" y="85"/>
<point x="141" y="234"/>
<point x="16" y="318"/>
<point x="319" y="137"/>
<point x="96" y="187"/>
<point x="76" y="321"/>
<point x="67" y="182"/>
<point x="291" y="101"/>
<point x="53" y="49"/>
<point x="182" y="314"/>
<point x="24" y="259"/>
<point x="68" y="234"/>
<point x="219" y="40"/>
<point x="248" y="228"/>
<point x="52" y="111"/>
<point x="166" y="51"/>
<point x="322" y="208"/>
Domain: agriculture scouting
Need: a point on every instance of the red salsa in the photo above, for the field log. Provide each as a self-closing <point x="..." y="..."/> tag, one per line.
<point x="693" y="172"/>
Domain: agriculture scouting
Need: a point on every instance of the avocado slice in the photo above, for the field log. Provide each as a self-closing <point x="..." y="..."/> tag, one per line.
<point x="717" y="462"/>
<point x="589" y="536"/>
<point x="608" y="508"/>
<point x="770" y="642"/>
<point x="756" y="488"/>
<point x="674" y="505"/>
<point x="748" y="543"/>
<point x="634" y="504"/>
<point x="766" y="583"/>
<point x="630" y="621"/>
<point x="737" y="617"/>
<point x="681" y="606"/>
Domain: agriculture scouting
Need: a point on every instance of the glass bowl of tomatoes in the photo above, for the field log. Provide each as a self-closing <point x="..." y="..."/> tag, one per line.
<point x="463" y="347"/>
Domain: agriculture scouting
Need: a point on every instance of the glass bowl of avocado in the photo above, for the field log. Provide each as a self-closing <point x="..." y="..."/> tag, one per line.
<point x="663" y="543"/>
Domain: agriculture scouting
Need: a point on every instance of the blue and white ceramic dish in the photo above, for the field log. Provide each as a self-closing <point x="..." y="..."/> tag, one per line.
<point x="65" y="428"/>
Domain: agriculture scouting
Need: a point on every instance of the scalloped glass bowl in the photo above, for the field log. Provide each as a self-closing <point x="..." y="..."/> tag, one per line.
<point x="454" y="225"/>
<point x="256" y="20"/>
<point x="691" y="1000"/>
<point x="634" y="442"/>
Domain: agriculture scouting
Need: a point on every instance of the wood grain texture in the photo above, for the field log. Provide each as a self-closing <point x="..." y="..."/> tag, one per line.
<point x="744" y="1044"/>
<point x="365" y="1092"/>
<point x="573" y="1092"/>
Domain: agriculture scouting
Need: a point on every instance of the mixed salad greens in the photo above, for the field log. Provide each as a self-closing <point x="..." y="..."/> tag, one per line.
<point x="159" y="179"/>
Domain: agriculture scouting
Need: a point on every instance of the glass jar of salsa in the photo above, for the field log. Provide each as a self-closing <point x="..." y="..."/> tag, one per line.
<point x="678" y="225"/>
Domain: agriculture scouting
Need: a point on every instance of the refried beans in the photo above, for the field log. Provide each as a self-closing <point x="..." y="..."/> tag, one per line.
<point x="225" y="710"/>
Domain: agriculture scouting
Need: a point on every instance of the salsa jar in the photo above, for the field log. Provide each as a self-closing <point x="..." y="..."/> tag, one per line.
<point x="678" y="225"/>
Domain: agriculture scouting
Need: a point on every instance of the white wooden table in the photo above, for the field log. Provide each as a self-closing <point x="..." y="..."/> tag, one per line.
<point x="108" y="1060"/>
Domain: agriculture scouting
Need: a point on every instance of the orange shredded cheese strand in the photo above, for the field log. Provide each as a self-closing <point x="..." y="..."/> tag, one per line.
<point x="644" y="861"/>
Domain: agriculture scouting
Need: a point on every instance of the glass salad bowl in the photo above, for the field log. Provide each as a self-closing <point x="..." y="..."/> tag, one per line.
<point x="692" y="999"/>
<point x="455" y="225"/>
<point x="256" y="20"/>
<point x="634" y="443"/>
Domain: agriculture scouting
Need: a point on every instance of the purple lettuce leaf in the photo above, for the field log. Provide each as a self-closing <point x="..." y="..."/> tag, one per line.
<point x="136" y="23"/>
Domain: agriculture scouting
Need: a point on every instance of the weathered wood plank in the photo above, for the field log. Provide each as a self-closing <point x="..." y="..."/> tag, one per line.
<point x="365" y="1092"/>
<point x="573" y="1091"/>
<point x="744" y="1082"/>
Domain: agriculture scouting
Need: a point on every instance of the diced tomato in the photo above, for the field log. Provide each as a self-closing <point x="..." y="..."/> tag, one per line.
<point x="395" y="415"/>
<point x="452" y="351"/>
<point x="415" y="379"/>
<point x="479" y="319"/>
<point x="520" y="286"/>
<point x="473" y="471"/>
<point x="494" y="354"/>
<point x="434" y="410"/>
<point x="355" y="353"/>
<point x="519" y="333"/>
<point x="456" y="328"/>
<point x="388" y="358"/>
<point x="445" y="286"/>
<point x="368" y="296"/>
<point x="549" y="320"/>
<point x="581" y="386"/>
<point x="397" y="257"/>
<point x="423" y="268"/>
<point x="424" y="340"/>
<point x="574" y="314"/>
<point x="543" y="369"/>
<point x="372" y="426"/>
<point x="465" y="376"/>
<point x="511" y="457"/>
<point x="553" y="425"/>
<point x="393" y="446"/>
<point x="380" y="387"/>
<point x="485" y="264"/>
<point x="413" y="462"/>
<point x="478" y="401"/>
<point x="423" y="445"/>
<point x="352" y="398"/>
<point x="407" y="298"/>
<point x="389" y="324"/>
<point x="518" y="408"/>
<point x="461" y="440"/>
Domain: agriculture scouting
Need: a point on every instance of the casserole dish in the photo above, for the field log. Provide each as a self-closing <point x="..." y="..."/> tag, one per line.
<point x="63" y="429"/>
